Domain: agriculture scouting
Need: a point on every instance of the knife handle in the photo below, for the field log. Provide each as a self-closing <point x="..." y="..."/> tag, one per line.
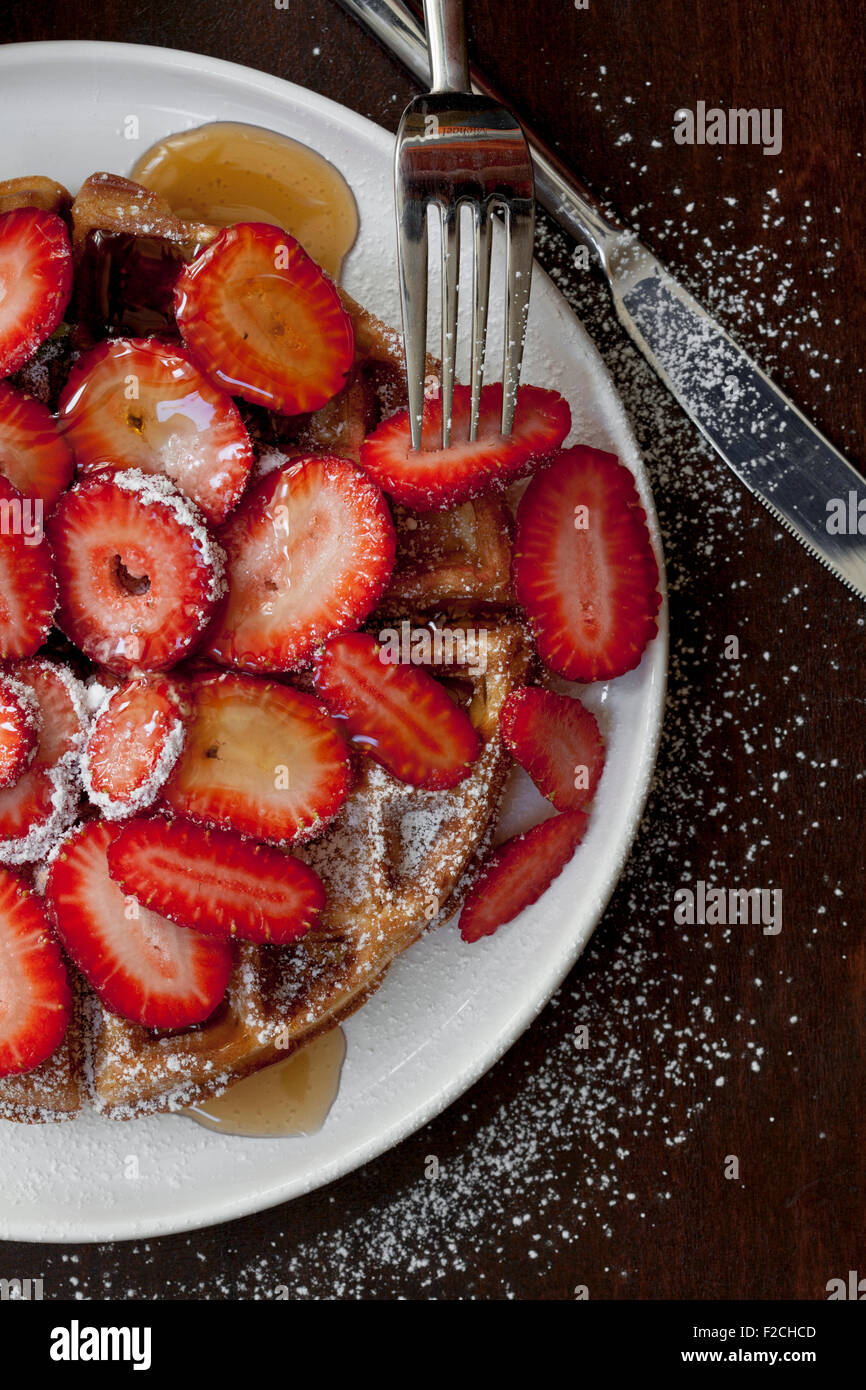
<point x="571" y="203"/>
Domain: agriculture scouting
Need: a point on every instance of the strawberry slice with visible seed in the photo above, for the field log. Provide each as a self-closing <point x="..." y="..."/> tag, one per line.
<point x="28" y="589"/>
<point x="43" y="802"/>
<point x="35" y="282"/>
<point x="35" y="998"/>
<point x="261" y="759"/>
<point x="584" y="567"/>
<point x="140" y="403"/>
<point x="310" y="552"/>
<point x="141" y="965"/>
<point x="139" y="575"/>
<point x="556" y="739"/>
<point x="517" y="873"/>
<point x="33" y="454"/>
<point x="20" y="723"/>
<point x="216" y="882"/>
<point x="431" y="477"/>
<point x="399" y="715"/>
<point x="134" y="742"/>
<point x="264" y="321"/>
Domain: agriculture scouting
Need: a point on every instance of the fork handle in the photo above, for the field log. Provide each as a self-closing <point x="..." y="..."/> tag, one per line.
<point x="556" y="188"/>
<point x="446" y="37"/>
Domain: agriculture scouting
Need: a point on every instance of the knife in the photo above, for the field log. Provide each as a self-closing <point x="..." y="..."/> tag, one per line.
<point x="809" y="487"/>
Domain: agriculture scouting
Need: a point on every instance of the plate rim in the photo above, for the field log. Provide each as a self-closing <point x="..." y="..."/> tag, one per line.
<point x="109" y="1226"/>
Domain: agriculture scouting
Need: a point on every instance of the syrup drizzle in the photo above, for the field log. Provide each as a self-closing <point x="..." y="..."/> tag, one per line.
<point x="290" y="1097"/>
<point x="228" y="172"/>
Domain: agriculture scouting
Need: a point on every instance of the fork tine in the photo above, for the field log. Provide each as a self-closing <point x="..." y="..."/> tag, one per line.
<point x="481" y="291"/>
<point x="450" y="284"/>
<point x="412" y="265"/>
<point x="519" y="232"/>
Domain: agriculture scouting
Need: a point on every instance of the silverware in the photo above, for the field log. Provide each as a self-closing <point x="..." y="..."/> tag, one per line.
<point x="458" y="150"/>
<point x="785" y="461"/>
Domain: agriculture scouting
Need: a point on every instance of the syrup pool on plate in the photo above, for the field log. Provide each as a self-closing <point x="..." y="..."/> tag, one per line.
<point x="289" y="1097"/>
<point x="228" y="172"/>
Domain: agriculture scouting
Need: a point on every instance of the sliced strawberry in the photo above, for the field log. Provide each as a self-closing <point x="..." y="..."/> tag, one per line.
<point x="141" y="965"/>
<point x="138" y="573"/>
<point x="35" y="998"/>
<point x="432" y="477"/>
<point x="264" y="321"/>
<point x="398" y="714"/>
<point x="134" y="742"/>
<point x="584" y="567"/>
<point x="310" y="552"/>
<point x="215" y="881"/>
<point x="557" y="740"/>
<point x="35" y="282"/>
<point x="518" y="872"/>
<point x="140" y="403"/>
<point x="33" y="454"/>
<point x="43" y="802"/>
<point x="261" y="759"/>
<point x="20" y="722"/>
<point x="28" y="589"/>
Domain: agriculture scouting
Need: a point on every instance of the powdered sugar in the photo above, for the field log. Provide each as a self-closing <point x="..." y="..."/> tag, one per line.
<point x="267" y="460"/>
<point x="154" y="489"/>
<point x="97" y="695"/>
<point x="144" y="795"/>
<point x="30" y="848"/>
<point x="26" y="698"/>
<point x="63" y="777"/>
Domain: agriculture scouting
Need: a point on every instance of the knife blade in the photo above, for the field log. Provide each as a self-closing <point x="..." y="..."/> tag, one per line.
<point x="805" y="482"/>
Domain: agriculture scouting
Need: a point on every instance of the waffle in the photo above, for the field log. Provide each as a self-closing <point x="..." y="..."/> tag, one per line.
<point x="397" y="860"/>
<point x="56" y="1089"/>
<point x="393" y="863"/>
<point x="34" y="192"/>
<point x="451" y="561"/>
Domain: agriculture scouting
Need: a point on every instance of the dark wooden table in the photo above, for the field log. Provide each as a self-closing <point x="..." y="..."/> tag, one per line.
<point x="606" y="1167"/>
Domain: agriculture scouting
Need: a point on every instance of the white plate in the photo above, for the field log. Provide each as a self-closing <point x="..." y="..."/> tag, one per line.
<point x="447" y="1011"/>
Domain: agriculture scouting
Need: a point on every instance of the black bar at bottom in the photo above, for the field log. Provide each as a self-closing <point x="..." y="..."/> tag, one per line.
<point x="184" y="1336"/>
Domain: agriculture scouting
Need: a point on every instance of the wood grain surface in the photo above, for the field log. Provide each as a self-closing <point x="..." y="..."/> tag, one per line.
<point x="604" y="1167"/>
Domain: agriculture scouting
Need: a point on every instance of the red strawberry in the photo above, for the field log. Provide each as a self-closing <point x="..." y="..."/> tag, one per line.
<point x="215" y="881"/>
<point x="20" y="722"/>
<point x="28" y="589"/>
<point x="556" y="739"/>
<point x="433" y="477"/>
<point x="310" y="552"/>
<point x="584" y="567"/>
<point x="43" y="802"/>
<point x="264" y="321"/>
<point x="33" y="454"/>
<point x="140" y="403"/>
<point x="35" y="282"/>
<point x="400" y="715"/>
<point x="261" y="759"/>
<point x="518" y="872"/>
<point x="134" y="742"/>
<point x="139" y="575"/>
<point x="35" y="998"/>
<point x="141" y="965"/>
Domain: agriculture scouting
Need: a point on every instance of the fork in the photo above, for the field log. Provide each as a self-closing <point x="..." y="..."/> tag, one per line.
<point x="457" y="149"/>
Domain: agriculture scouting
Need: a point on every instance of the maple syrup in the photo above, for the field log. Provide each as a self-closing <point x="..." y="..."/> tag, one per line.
<point x="290" y="1097"/>
<point x="228" y="172"/>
